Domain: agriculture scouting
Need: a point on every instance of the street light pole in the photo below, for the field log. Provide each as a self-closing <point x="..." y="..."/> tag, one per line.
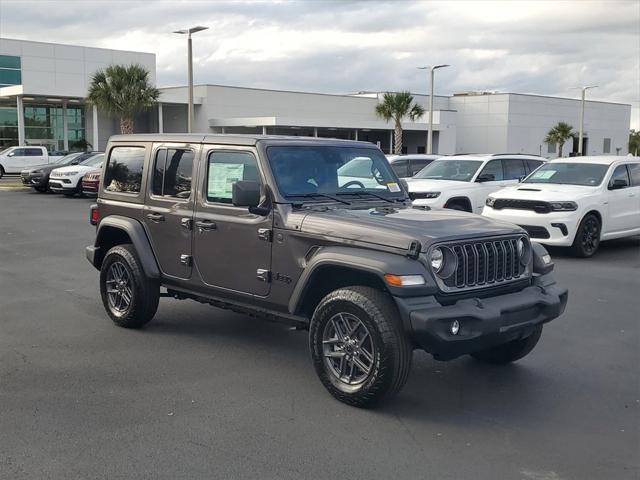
<point x="188" y="32"/>
<point x="430" y="129"/>
<point x="581" y="133"/>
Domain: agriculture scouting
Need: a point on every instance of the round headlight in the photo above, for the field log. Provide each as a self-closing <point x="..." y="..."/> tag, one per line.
<point x="437" y="259"/>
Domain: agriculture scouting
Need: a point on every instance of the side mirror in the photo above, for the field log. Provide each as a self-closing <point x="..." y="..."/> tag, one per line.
<point x="11" y="154"/>
<point x="617" y="184"/>
<point x="486" y="177"/>
<point x="74" y="162"/>
<point x="245" y="193"/>
<point x="521" y="178"/>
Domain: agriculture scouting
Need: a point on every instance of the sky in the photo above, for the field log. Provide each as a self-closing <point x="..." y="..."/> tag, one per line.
<point x="542" y="47"/>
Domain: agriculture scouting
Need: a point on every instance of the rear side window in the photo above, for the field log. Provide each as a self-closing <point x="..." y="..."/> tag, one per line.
<point x="513" y="168"/>
<point x="123" y="173"/>
<point x="33" y="152"/>
<point x="634" y="170"/>
<point x="417" y="165"/>
<point x="226" y="168"/>
<point x="172" y="173"/>
<point x="400" y="168"/>
<point x="533" y="164"/>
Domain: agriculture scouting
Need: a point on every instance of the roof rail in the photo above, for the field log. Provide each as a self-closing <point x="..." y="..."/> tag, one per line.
<point x="519" y="153"/>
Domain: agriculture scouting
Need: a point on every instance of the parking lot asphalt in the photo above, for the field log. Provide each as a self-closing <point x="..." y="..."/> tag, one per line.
<point x="205" y="393"/>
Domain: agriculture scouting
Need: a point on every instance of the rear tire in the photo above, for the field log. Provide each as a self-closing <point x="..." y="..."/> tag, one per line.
<point x="1" y="171"/>
<point x="358" y="346"/>
<point x="40" y="189"/>
<point x="510" y="351"/>
<point x="587" y="238"/>
<point x="128" y="295"/>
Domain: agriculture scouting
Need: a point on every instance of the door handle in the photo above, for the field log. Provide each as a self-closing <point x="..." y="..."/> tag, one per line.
<point x="205" y="225"/>
<point x="155" y="217"/>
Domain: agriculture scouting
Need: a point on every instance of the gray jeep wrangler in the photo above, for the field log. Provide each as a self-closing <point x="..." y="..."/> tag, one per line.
<point x="321" y="234"/>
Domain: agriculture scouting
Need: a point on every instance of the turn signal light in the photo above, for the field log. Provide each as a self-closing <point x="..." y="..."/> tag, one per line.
<point x="404" y="280"/>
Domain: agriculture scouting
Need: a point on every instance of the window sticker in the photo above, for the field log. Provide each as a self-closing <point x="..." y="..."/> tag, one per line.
<point x="222" y="177"/>
<point x="545" y="175"/>
<point x="393" y="187"/>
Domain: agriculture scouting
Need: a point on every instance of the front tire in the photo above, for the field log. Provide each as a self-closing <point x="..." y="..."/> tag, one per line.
<point x="510" y="351"/>
<point x="128" y="295"/>
<point x="358" y="346"/>
<point x="587" y="238"/>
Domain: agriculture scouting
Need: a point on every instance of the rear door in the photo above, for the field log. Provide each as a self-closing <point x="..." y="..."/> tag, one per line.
<point x="33" y="156"/>
<point x="231" y="246"/>
<point x="168" y="210"/>
<point x="621" y="203"/>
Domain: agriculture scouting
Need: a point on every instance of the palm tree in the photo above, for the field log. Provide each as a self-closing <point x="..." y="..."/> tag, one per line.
<point x="396" y="106"/>
<point x="634" y="142"/>
<point x="122" y="91"/>
<point x="558" y="135"/>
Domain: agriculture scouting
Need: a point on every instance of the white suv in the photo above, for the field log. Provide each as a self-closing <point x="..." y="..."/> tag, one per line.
<point x="574" y="202"/>
<point x="462" y="182"/>
<point x="68" y="180"/>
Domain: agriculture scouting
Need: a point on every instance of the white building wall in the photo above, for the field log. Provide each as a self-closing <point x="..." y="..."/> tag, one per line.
<point x="518" y="123"/>
<point x="51" y="69"/>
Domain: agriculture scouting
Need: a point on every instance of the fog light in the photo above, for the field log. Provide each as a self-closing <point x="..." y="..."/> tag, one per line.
<point x="455" y="327"/>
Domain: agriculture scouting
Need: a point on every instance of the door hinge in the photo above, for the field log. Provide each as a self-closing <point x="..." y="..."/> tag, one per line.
<point x="186" y="260"/>
<point x="186" y="223"/>
<point x="263" y="275"/>
<point x="264" y="234"/>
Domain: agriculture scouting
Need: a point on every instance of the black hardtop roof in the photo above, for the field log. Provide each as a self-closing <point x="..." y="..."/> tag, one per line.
<point x="234" y="139"/>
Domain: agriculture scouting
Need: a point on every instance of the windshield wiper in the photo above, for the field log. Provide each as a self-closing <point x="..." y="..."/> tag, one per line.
<point x="311" y="195"/>
<point x="381" y="197"/>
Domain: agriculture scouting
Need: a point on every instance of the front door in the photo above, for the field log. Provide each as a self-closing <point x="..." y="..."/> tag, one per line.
<point x="168" y="211"/>
<point x="231" y="246"/>
<point x="621" y="202"/>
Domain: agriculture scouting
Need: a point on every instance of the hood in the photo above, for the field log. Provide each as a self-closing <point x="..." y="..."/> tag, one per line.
<point x="430" y="185"/>
<point x="46" y="167"/>
<point x="545" y="192"/>
<point x="74" y="168"/>
<point x="399" y="226"/>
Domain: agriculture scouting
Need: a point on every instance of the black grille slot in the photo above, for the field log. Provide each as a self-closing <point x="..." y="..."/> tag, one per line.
<point x="536" y="232"/>
<point x="533" y="205"/>
<point x="484" y="263"/>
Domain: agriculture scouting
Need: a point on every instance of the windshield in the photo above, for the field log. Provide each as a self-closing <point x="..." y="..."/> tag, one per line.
<point x="327" y="170"/>
<point x="459" y="170"/>
<point x="95" y="161"/>
<point x="569" y="173"/>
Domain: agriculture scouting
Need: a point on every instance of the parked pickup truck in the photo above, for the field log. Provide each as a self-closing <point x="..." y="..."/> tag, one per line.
<point x="268" y="226"/>
<point x="16" y="159"/>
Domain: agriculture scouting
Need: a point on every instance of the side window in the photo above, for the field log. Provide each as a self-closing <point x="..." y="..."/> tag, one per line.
<point x="226" y="168"/>
<point x="494" y="168"/>
<point x="620" y="173"/>
<point x="634" y="170"/>
<point x="19" y="152"/>
<point x="417" y="165"/>
<point x="123" y="173"/>
<point x="533" y="164"/>
<point x="513" y="168"/>
<point x="172" y="173"/>
<point x="33" y="152"/>
<point x="400" y="168"/>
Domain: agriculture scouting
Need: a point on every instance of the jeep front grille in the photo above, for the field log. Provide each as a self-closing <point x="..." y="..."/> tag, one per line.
<point x="484" y="263"/>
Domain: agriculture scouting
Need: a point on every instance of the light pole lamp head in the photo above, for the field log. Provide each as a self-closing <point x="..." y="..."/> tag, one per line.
<point x="191" y="30"/>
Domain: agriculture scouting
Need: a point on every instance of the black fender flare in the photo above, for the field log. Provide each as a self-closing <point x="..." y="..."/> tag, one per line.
<point x="364" y="260"/>
<point x="460" y="199"/>
<point x="134" y="229"/>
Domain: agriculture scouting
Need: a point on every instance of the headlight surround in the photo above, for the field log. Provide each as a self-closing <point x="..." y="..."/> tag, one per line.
<point x="563" y="206"/>
<point x="523" y="246"/>
<point x="424" y="195"/>
<point x="437" y="259"/>
<point x="490" y="201"/>
<point x="443" y="261"/>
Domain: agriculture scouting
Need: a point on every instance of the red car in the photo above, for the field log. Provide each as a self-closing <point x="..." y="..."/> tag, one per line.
<point x="90" y="183"/>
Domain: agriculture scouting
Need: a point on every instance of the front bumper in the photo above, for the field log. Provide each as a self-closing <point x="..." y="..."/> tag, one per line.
<point x="485" y="322"/>
<point x="61" y="186"/>
<point x="560" y="226"/>
<point x="34" y="180"/>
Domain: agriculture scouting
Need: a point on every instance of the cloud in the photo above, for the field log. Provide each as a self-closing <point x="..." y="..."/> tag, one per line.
<point x="345" y="46"/>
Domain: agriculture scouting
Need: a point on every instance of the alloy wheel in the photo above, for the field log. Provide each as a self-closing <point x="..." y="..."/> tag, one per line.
<point x="348" y="348"/>
<point x="119" y="288"/>
<point x="590" y="235"/>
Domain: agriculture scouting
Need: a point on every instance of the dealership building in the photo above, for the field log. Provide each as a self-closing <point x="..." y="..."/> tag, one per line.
<point x="43" y="85"/>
